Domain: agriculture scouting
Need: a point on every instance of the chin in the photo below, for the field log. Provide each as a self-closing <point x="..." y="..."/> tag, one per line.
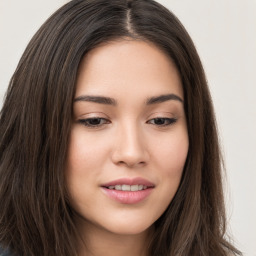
<point x="128" y="226"/>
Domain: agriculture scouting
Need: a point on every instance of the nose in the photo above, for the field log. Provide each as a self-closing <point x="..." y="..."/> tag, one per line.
<point x="130" y="147"/>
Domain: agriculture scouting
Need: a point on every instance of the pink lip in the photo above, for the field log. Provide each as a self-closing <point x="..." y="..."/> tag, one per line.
<point x="129" y="181"/>
<point x="128" y="197"/>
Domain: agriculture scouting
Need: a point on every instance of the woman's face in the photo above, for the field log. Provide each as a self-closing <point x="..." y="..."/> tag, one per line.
<point x="129" y="138"/>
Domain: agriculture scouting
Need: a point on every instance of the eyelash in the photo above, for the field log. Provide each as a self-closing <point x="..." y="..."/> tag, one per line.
<point x="86" y="122"/>
<point x="166" y="121"/>
<point x="102" y="121"/>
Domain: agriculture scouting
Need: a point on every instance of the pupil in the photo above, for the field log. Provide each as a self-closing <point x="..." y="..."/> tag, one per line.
<point x="159" y="121"/>
<point x="95" y="121"/>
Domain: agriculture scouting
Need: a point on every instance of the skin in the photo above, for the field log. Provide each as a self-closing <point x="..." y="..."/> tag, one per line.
<point x="128" y="141"/>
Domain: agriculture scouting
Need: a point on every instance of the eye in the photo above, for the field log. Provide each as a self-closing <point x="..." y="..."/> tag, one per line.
<point x="94" y="122"/>
<point x="162" y="121"/>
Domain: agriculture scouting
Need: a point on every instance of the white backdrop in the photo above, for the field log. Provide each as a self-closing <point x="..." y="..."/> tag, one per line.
<point x="224" y="32"/>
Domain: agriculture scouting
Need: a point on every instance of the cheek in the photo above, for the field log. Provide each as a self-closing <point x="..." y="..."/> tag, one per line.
<point x="84" y="159"/>
<point x="177" y="158"/>
<point x="85" y="152"/>
<point x="171" y="153"/>
<point x="170" y="156"/>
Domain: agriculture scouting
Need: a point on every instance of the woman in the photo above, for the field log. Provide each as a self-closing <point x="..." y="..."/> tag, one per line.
<point x="108" y="143"/>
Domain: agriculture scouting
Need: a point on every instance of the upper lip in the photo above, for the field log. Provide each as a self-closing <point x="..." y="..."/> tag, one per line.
<point x="129" y="181"/>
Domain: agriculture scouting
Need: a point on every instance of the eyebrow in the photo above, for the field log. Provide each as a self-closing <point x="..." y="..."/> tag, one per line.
<point x="163" y="98"/>
<point x="96" y="99"/>
<point x="111" y="101"/>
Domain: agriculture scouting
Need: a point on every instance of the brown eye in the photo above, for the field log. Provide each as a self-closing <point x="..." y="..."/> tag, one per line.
<point x="162" y="121"/>
<point x="94" y="122"/>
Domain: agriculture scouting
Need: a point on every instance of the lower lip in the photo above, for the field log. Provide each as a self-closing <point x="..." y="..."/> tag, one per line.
<point x="127" y="197"/>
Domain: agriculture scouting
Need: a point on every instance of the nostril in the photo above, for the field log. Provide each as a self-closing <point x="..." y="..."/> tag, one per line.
<point x="131" y="163"/>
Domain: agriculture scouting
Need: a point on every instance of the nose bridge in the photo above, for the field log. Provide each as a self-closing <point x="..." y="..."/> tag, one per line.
<point x="130" y="146"/>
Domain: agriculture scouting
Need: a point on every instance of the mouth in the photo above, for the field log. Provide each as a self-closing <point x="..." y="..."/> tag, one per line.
<point x="125" y="187"/>
<point x="128" y="191"/>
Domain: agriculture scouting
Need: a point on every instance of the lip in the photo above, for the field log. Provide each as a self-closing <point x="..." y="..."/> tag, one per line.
<point x="128" y="197"/>
<point x="129" y="181"/>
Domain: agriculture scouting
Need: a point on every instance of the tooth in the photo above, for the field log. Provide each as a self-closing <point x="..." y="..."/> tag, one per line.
<point x="134" y="187"/>
<point x="118" y="187"/>
<point x="140" y="187"/>
<point x="126" y="187"/>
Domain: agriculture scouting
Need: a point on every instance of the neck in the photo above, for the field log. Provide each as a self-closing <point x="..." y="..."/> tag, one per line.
<point x="101" y="242"/>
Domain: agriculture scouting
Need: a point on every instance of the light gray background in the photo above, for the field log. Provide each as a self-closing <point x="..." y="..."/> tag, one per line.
<point x="224" y="32"/>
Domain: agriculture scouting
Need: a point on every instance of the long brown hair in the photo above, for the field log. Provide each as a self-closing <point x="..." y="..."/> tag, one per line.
<point x="35" y="216"/>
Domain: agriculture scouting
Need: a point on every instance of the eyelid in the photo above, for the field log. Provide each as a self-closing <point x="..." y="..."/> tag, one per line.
<point x="88" y="115"/>
<point x="162" y="114"/>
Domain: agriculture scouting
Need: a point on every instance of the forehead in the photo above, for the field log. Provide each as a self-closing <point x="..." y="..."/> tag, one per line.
<point x="128" y="67"/>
